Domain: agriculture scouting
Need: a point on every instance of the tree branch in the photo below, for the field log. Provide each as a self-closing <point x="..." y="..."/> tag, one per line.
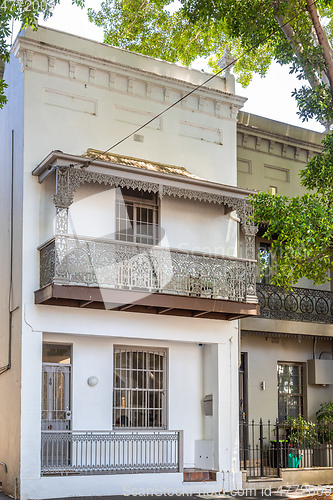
<point x="323" y="41"/>
<point x="297" y="47"/>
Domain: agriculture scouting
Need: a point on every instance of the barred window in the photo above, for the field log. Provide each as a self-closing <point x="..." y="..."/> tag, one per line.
<point x="290" y="390"/>
<point x="136" y="217"/>
<point x="139" y="388"/>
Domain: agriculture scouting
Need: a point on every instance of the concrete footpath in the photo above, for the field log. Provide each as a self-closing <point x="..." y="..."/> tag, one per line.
<point x="257" y="496"/>
<point x="281" y="493"/>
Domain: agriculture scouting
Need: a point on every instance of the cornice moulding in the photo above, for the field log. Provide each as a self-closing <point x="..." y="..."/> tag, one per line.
<point x="23" y="44"/>
<point x="262" y="134"/>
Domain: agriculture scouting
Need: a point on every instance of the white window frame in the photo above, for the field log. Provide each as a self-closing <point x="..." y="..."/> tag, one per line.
<point x="126" y="394"/>
<point x="123" y="224"/>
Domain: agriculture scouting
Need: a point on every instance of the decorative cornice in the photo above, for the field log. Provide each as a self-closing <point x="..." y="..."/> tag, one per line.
<point x="24" y="45"/>
<point x="272" y="137"/>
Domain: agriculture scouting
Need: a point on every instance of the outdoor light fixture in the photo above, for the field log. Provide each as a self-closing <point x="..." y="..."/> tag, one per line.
<point x="92" y="381"/>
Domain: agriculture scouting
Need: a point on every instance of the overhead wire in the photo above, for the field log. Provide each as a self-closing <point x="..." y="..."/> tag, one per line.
<point x="234" y="60"/>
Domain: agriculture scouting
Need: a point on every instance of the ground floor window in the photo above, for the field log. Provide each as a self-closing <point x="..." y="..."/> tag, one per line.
<point x="290" y="390"/>
<point x="139" y="388"/>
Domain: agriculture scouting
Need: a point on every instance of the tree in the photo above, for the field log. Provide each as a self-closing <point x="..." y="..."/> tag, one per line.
<point x="27" y="13"/>
<point x="256" y="31"/>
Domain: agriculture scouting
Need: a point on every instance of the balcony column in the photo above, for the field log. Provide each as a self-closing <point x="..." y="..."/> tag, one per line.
<point x="62" y="200"/>
<point x="250" y="238"/>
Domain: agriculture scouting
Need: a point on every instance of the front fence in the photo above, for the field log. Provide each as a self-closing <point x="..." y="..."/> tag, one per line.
<point x="99" y="452"/>
<point x="265" y="448"/>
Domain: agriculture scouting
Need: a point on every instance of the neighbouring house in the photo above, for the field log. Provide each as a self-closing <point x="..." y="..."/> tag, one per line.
<point x="122" y="277"/>
<point x="287" y="351"/>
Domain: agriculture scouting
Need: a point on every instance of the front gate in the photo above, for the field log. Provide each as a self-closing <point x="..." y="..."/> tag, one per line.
<point x="263" y="452"/>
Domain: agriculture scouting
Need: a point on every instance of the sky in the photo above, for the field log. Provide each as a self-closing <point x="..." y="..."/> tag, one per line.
<point x="269" y="97"/>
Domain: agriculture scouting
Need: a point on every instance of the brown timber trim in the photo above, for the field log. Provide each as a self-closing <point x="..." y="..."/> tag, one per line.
<point x="138" y="301"/>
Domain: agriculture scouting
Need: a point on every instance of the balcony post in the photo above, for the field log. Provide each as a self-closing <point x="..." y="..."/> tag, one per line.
<point x="62" y="200"/>
<point x="250" y="232"/>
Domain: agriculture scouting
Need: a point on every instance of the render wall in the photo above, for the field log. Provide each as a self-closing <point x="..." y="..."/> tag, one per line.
<point x="88" y="99"/>
<point x="263" y="355"/>
<point x="270" y="153"/>
<point x="11" y="119"/>
<point x="194" y="347"/>
<point x="85" y="98"/>
<point x="202" y="227"/>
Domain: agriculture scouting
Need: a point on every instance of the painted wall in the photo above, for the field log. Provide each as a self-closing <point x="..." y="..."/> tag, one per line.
<point x="93" y="212"/>
<point x="197" y="226"/>
<point x="202" y="227"/>
<point x="93" y="335"/>
<point x="81" y="94"/>
<point x="272" y="154"/>
<point x="11" y="119"/>
<point x="90" y="108"/>
<point x="263" y="355"/>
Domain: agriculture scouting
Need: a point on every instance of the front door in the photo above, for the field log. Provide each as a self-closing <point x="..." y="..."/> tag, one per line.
<point x="56" y="411"/>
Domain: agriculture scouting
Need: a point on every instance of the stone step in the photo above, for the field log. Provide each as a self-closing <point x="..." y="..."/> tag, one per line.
<point x="199" y="475"/>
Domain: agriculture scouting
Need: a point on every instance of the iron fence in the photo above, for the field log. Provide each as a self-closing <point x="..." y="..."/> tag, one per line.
<point x="99" y="452"/>
<point x="298" y="304"/>
<point x="128" y="266"/>
<point x="266" y="448"/>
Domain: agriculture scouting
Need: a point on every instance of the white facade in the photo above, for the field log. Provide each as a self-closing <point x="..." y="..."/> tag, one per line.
<point x="67" y="93"/>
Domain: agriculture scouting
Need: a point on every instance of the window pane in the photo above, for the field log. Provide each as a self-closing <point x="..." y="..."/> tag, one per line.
<point x="264" y="262"/>
<point x="136" y="219"/>
<point x="138" y="398"/>
<point x="290" y="400"/>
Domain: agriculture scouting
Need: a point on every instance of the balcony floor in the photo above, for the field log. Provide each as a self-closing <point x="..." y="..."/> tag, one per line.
<point x="144" y="302"/>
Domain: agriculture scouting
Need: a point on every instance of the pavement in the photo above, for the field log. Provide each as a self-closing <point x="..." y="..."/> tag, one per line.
<point x="281" y="493"/>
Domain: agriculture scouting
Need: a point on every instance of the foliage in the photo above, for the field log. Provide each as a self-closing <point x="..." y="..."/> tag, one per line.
<point x="325" y="413"/>
<point x="301" y="433"/>
<point x="27" y="13"/>
<point x="325" y="422"/>
<point x="301" y="232"/>
<point x="301" y="227"/>
<point x="288" y="31"/>
<point x="314" y="103"/>
<point x="184" y="30"/>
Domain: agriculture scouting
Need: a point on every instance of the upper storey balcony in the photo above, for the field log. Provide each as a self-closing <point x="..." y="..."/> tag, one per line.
<point x="298" y="304"/>
<point x="143" y="237"/>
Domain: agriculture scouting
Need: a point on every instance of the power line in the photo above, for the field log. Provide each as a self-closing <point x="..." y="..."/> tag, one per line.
<point x="195" y="89"/>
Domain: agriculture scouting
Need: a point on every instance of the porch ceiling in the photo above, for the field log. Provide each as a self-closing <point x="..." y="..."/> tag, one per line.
<point x="143" y="302"/>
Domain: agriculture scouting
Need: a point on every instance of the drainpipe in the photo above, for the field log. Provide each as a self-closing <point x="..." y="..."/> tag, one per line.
<point x="3" y="369"/>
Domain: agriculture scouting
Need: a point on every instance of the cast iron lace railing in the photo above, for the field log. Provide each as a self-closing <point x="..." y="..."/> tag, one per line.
<point x="129" y="266"/>
<point x="298" y="304"/>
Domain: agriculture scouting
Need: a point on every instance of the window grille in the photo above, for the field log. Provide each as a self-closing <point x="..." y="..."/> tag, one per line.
<point x="137" y="218"/>
<point x="290" y="390"/>
<point x="139" y="388"/>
